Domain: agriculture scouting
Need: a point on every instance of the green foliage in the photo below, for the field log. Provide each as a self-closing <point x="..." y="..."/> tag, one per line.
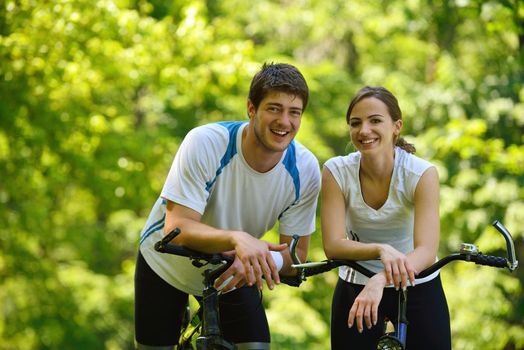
<point x="96" y="97"/>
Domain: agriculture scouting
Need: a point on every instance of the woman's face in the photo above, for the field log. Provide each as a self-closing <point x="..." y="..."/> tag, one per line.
<point x="371" y="128"/>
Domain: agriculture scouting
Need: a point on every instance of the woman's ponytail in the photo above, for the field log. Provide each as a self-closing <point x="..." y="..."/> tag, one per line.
<point x="406" y="146"/>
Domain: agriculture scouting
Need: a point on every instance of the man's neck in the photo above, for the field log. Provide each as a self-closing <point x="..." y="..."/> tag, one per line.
<point x="256" y="155"/>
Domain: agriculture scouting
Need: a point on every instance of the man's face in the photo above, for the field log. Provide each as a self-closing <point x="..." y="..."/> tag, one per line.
<point x="277" y="120"/>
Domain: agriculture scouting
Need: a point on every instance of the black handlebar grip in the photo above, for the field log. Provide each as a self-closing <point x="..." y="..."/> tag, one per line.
<point x="193" y="254"/>
<point x="315" y="270"/>
<point x="174" y="249"/>
<point x="293" y="281"/>
<point x="489" y="260"/>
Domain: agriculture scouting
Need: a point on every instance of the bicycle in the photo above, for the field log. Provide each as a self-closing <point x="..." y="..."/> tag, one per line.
<point x="208" y="326"/>
<point x="204" y="323"/>
<point x="396" y="340"/>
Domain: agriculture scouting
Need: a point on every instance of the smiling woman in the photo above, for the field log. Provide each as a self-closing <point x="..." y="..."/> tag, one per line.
<point x="371" y="126"/>
<point x="381" y="204"/>
<point x="380" y="103"/>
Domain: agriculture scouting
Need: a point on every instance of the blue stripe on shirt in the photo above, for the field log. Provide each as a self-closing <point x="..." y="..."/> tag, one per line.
<point x="290" y="162"/>
<point x="153" y="228"/>
<point x="231" y="151"/>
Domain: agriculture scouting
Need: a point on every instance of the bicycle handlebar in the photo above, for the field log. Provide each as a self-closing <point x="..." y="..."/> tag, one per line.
<point x="199" y="259"/>
<point x="164" y="246"/>
<point x="468" y="252"/>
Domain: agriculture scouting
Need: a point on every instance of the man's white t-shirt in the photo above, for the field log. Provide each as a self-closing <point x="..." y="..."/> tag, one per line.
<point x="393" y="222"/>
<point x="210" y="175"/>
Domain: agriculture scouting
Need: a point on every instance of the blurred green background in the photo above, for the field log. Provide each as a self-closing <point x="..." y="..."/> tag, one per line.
<point x="95" y="97"/>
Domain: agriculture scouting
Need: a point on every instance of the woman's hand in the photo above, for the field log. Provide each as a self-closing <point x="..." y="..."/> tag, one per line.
<point x="397" y="267"/>
<point x="365" y="306"/>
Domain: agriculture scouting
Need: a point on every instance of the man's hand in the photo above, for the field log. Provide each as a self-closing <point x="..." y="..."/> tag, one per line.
<point x="256" y="259"/>
<point x="234" y="276"/>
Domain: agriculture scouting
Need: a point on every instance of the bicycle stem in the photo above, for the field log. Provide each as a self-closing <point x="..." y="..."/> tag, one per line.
<point x="402" y="323"/>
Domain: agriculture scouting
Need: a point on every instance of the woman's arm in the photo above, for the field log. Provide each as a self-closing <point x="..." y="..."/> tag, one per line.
<point x="333" y="223"/>
<point x="397" y="268"/>
<point x="426" y="229"/>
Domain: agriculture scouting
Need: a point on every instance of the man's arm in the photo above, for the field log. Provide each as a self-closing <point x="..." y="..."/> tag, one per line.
<point x="253" y="255"/>
<point x="195" y="234"/>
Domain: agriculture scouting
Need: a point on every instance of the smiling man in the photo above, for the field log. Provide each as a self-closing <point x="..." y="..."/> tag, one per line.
<point x="229" y="184"/>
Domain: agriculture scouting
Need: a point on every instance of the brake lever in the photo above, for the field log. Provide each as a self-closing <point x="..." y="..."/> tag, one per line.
<point x="510" y="247"/>
<point x="295" y="258"/>
<point x="293" y="249"/>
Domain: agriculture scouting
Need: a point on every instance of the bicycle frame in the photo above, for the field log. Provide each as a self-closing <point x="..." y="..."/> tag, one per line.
<point x="468" y="252"/>
<point x="211" y="336"/>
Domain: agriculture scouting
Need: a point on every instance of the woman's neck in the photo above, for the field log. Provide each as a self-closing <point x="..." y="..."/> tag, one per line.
<point x="377" y="167"/>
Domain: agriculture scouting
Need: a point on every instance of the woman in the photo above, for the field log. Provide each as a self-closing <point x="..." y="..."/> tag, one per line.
<point x="381" y="203"/>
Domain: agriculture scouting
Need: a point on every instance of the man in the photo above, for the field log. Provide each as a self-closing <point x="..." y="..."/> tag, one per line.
<point x="228" y="185"/>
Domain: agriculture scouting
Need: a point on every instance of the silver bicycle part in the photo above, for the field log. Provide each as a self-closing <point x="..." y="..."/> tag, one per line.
<point x="308" y="264"/>
<point x="512" y="257"/>
<point x="388" y="342"/>
<point x="468" y="248"/>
